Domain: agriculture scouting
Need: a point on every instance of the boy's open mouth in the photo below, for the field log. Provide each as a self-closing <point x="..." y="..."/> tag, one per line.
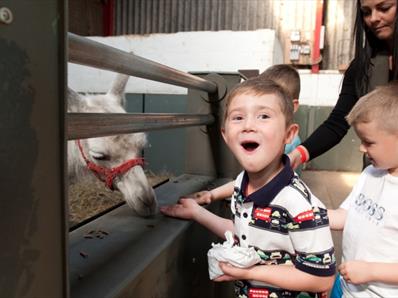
<point x="250" y="146"/>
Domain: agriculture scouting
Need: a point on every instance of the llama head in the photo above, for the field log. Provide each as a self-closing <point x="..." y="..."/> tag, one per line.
<point x="113" y="151"/>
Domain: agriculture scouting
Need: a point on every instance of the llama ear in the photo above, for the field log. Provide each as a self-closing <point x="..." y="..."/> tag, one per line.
<point x="73" y="100"/>
<point x="118" y="88"/>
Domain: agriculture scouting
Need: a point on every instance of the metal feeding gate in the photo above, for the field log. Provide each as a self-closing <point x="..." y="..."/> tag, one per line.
<point x="138" y="257"/>
<point x="156" y="256"/>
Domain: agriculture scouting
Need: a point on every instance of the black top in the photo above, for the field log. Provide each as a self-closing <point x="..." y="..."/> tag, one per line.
<point x="335" y="127"/>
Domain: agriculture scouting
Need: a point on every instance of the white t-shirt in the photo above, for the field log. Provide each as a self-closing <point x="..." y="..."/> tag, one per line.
<point x="371" y="228"/>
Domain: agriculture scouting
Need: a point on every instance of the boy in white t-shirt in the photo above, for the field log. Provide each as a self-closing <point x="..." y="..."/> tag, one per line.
<point x="369" y="215"/>
<point x="274" y="212"/>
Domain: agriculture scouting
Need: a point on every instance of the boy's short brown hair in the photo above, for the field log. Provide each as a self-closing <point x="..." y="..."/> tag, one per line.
<point x="257" y="87"/>
<point x="381" y="104"/>
<point x="286" y="76"/>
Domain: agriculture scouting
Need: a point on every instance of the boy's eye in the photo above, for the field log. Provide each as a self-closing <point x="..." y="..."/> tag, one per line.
<point x="263" y="116"/>
<point x="367" y="143"/>
<point x="236" y="117"/>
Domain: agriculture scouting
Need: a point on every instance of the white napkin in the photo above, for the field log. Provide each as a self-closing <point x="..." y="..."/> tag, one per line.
<point x="237" y="256"/>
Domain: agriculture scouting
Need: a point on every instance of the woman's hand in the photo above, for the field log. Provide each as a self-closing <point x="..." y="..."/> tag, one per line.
<point x="295" y="158"/>
<point x="298" y="156"/>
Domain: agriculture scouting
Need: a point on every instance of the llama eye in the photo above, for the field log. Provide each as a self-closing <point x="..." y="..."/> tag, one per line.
<point x="99" y="156"/>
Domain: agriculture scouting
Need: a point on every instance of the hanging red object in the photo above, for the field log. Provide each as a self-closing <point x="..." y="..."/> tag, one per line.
<point x="108" y="17"/>
<point x="316" y="51"/>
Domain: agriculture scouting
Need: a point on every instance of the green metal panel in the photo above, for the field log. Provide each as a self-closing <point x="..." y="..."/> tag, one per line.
<point x="184" y="150"/>
<point x="135" y="103"/>
<point x="166" y="151"/>
<point x="301" y="117"/>
<point x="211" y="154"/>
<point x="32" y="150"/>
<point x="343" y="157"/>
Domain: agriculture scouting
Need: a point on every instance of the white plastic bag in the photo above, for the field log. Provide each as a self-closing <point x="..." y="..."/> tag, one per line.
<point x="237" y="256"/>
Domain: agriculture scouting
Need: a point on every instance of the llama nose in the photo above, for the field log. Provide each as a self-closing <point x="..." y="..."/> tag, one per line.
<point x="113" y="183"/>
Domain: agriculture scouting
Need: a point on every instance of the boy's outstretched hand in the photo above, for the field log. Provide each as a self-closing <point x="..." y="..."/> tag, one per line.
<point x="201" y="197"/>
<point x="186" y="209"/>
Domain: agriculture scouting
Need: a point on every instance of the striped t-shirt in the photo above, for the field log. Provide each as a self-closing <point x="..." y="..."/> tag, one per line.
<point x="286" y="224"/>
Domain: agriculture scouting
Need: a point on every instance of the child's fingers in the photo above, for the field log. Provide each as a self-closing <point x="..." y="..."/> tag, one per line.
<point x="165" y="210"/>
<point x="224" y="278"/>
<point x="343" y="272"/>
<point x="170" y="210"/>
<point x="228" y="269"/>
<point x="341" y="267"/>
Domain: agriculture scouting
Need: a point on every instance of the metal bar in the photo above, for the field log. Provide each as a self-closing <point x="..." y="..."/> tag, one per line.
<point x="33" y="208"/>
<point x="90" y="125"/>
<point x="88" y="52"/>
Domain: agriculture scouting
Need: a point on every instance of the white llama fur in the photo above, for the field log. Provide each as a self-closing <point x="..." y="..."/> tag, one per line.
<point x="134" y="185"/>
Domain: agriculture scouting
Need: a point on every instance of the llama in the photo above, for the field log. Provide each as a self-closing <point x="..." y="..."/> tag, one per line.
<point x="114" y="159"/>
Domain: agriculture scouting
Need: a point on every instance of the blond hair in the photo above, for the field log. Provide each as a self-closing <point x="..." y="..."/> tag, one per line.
<point x="286" y="76"/>
<point x="258" y="87"/>
<point x="381" y="105"/>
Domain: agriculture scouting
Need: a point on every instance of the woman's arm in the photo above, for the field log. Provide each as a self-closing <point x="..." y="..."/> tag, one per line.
<point x="330" y="133"/>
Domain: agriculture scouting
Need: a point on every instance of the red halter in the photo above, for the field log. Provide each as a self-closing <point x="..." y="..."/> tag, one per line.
<point x="108" y="175"/>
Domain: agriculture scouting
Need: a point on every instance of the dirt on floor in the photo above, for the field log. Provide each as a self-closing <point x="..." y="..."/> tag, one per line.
<point x="88" y="198"/>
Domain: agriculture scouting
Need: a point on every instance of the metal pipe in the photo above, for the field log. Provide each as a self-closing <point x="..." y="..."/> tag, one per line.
<point x="91" y="53"/>
<point x="91" y="125"/>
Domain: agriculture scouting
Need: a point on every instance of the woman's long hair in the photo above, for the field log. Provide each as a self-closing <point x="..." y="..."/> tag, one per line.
<point x="367" y="46"/>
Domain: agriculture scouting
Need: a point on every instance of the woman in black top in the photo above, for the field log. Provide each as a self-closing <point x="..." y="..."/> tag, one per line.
<point x="375" y="63"/>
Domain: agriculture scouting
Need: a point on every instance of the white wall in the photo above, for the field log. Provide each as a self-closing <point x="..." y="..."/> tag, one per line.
<point x="320" y="89"/>
<point x="221" y="51"/>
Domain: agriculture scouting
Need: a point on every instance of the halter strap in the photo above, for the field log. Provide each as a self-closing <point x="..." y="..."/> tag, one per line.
<point x="105" y="174"/>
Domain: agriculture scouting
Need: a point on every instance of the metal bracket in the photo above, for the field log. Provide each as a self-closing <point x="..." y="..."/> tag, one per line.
<point x="221" y="88"/>
<point x="6" y="16"/>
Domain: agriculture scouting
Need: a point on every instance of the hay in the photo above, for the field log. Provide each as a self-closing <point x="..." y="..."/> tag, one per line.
<point x="88" y="198"/>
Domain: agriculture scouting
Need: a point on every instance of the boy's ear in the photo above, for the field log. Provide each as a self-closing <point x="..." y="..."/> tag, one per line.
<point x="223" y="135"/>
<point x="291" y="132"/>
<point x="295" y="105"/>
